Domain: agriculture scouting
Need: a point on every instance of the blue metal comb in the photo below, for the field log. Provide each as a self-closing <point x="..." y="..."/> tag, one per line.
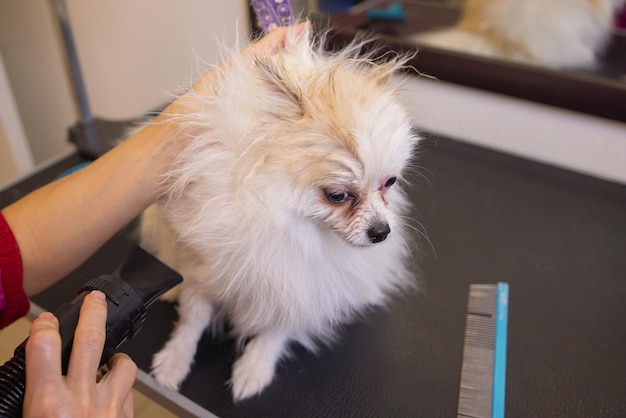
<point x="483" y="376"/>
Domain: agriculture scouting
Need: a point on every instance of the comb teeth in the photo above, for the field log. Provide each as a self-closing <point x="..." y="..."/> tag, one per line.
<point x="477" y="374"/>
<point x="482" y="299"/>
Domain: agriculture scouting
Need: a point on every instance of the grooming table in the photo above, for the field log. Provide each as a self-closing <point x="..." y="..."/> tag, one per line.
<point x="556" y="237"/>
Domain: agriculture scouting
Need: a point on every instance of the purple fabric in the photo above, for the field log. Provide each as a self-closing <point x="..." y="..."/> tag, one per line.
<point x="273" y="13"/>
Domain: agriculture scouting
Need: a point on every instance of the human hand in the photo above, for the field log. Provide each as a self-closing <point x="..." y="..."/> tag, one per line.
<point x="79" y="394"/>
<point x="273" y="41"/>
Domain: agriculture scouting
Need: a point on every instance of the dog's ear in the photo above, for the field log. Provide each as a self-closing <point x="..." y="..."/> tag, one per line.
<point x="273" y="69"/>
<point x="274" y="73"/>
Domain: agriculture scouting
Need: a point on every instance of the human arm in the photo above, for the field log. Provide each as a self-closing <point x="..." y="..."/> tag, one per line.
<point x="60" y="225"/>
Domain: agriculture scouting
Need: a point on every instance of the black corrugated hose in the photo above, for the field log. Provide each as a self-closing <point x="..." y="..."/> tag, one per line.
<point x="13" y="384"/>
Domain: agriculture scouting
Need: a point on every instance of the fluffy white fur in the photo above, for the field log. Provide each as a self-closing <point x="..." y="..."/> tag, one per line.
<point x="247" y="219"/>
<point x="552" y="33"/>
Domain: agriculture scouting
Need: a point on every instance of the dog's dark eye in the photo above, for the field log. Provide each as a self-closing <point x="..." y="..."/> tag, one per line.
<point x="336" y="197"/>
<point x="390" y="181"/>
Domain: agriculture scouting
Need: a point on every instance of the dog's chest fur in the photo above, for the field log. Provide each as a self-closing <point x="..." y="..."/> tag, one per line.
<point x="289" y="276"/>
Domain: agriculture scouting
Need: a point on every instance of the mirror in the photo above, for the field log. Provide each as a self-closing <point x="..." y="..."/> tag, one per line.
<point x="569" y="54"/>
<point x="570" y="35"/>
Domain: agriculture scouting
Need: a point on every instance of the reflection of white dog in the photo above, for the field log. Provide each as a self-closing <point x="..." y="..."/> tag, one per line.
<point x="554" y="33"/>
<point x="285" y="211"/>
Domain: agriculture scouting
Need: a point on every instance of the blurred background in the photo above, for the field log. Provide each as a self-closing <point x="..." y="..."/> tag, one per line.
<point x="134" y="56"/>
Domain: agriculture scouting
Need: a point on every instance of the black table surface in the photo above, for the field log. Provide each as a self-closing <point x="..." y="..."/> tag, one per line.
<point x="557" y="238"/>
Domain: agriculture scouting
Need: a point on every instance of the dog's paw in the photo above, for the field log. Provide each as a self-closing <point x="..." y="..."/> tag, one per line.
<point x="170" y="368"/>
<point x="250" y="376"/>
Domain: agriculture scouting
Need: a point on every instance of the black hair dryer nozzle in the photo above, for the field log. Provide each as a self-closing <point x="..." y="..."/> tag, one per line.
<point x="137" y="282"/>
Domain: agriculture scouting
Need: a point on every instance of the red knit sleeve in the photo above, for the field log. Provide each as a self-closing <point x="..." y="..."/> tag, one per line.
<point x="16" y="303"/>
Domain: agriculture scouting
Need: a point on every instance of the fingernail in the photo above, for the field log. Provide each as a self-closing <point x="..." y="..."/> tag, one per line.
<point x="45" y="318"/>
<point x="98" y="295"/>
<point x="45" y="315"/>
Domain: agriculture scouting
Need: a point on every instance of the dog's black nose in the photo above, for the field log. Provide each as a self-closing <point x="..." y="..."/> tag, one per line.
<point x="378" y="232"/>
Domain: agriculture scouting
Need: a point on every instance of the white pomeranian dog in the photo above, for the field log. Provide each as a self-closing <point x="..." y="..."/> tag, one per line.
<point x="285" y="213"/>
<point x="552" y="33"/>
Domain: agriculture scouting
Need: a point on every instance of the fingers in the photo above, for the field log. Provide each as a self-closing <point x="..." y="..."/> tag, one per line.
<point x="89" y="340"/>
<point x="272" y="42"/>
<point x="43" y="365"/>
<point x="43" y="350"/>
<point x="49" y="394"/>
<point x="122" y="374"/>
<point x="128" y="408"/>
<point x="117" y="384"/>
